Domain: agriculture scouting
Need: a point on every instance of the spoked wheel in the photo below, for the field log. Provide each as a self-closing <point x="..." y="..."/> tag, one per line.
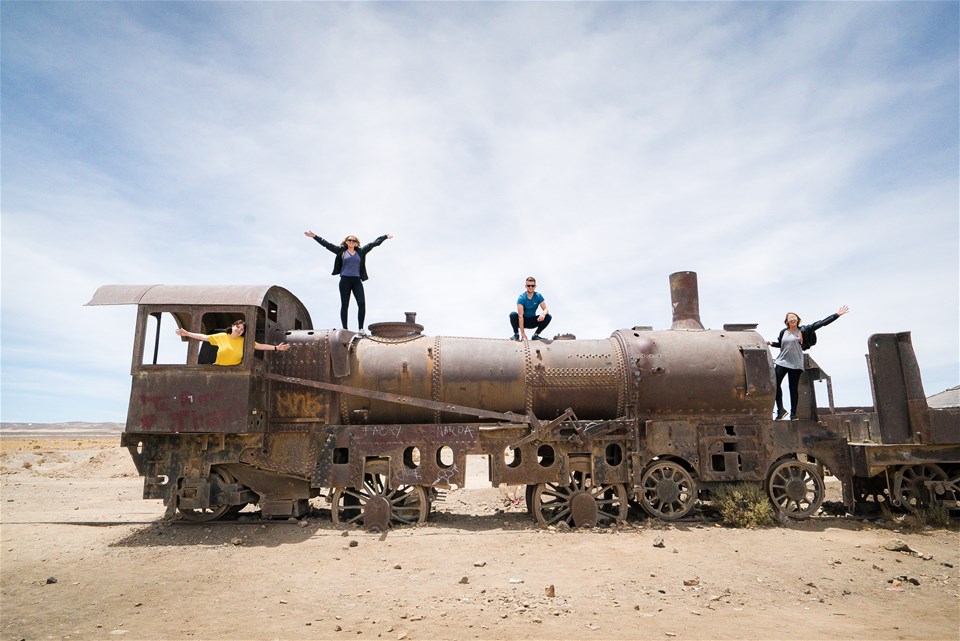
<point x="213" y="512"/>
<point x="668" y="490"/>
<point x="528" y="497"/>
<point x="910" y="488"/>
<point x="377" y="506"/>
<point x="870" y="490"/>
<point x="579" y="503"/>
<point x="795" y="488"/>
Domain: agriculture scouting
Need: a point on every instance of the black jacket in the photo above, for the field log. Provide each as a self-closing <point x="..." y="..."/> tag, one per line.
<point x="808" y="333"/>
<point x="338" y="250"/>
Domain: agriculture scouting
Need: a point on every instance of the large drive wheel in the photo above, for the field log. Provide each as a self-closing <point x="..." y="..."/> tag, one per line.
<point x="579" y="503"/>
<point x="909" y="485"/>
<point x="668" y="491"/>
<point x="795" y="488"/>
<point x="377" y="506"/>
<point x="528" y="497"/>
<point x="213" y="512"/>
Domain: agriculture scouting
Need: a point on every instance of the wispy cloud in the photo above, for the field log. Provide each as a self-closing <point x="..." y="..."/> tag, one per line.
<point x="798" y="156"/>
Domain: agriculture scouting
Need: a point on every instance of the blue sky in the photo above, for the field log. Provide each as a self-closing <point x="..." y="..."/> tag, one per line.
<point x="798" y="156"/>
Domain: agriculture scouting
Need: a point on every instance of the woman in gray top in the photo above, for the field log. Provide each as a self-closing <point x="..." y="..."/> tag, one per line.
<point x="792" y="341"/>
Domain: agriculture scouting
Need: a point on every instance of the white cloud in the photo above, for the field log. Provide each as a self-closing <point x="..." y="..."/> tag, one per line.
<point x="796" y="156"/>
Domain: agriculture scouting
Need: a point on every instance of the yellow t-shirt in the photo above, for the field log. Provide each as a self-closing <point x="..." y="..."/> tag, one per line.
<point x="230" y="350"/>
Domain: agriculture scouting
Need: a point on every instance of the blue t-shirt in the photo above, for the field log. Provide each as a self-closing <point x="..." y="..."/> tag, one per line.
<point x="530" y="305"/>
<point x="351" y="264"/>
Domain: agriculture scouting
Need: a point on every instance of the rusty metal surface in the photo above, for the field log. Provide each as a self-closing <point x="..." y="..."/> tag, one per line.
<point x="309" y="357"/>
<point x="889" y="388"/>
<point x="703" y="372"/>
<point x="855" y="424"/>
<point x="495" y="375"/>
<point x="119" y="294"/>
<point x="202" y="295"/>
<point x="685" y="299"/>
<point x="404" y="401"/>
<point x="195" y="400"/>
<point x="731" y="451"/>
<point x="683" y="409"/>
<point x="944" y="425"/>
<point x="870" y="459"/>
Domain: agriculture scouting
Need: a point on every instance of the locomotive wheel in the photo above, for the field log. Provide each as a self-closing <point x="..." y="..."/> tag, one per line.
<point x="214" y="512"/>
<point x="909" y="485"/>
<point x="873" y="489"/>
<point x="795" y="488"/>
<point x="528" y="497"/>
<point x="382" y="504"/>
<point x="579" y="503"/>
<point x="668" y="491"/>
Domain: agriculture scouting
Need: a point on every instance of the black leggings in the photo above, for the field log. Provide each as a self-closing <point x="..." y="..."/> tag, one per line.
<point x="352" y="284"/>
<point x="793" y="382"/>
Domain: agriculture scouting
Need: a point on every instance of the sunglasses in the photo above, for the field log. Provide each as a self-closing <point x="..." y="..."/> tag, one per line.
<point x="531" y="285"/>
<point x="352" y="240"/>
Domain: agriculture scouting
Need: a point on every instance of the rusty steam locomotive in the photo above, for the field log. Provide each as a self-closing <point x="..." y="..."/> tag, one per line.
<point x="379" y="423"/>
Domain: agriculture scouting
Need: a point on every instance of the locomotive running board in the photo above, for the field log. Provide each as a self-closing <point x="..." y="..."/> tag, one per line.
<point x="402" y="400"/>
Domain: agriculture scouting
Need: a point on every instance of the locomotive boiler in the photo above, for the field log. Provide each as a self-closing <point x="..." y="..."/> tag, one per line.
<point x="378" y="424"/>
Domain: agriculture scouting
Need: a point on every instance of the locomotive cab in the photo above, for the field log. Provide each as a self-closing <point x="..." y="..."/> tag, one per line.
<point x="189" y="420"/>
<point x="176" y="387"/>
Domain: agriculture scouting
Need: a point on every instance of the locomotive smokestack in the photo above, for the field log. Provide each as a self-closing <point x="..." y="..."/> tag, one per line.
<point x="685" y="298"/>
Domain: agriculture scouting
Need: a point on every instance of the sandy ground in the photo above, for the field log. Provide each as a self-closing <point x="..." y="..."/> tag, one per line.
<point x="84" y="557"/>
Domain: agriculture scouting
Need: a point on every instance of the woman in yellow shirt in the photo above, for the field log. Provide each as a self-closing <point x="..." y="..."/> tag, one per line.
<point x="230" y="346"/>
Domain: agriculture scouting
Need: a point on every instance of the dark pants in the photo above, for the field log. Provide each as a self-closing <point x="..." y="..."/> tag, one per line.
<point x="352" y="284"/>
<point x="529" y="322"/>
<point x="793" y="382"/>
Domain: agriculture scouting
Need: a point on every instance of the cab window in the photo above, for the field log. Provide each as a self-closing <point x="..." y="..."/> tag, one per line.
<point x="161" y="345"/>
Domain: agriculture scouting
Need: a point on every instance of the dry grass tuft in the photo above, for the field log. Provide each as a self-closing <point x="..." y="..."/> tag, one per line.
<point x="743" y="505"/>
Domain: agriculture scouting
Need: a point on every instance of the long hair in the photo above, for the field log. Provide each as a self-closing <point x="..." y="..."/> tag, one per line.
<point x="795" y="314"/>
<point x="343" y="243"/>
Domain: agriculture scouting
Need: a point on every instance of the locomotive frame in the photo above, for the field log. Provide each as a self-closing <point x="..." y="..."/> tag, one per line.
<point x="378" y="424"/>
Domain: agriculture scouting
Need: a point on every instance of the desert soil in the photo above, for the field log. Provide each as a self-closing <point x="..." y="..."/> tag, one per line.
<point x="85" y="557"/>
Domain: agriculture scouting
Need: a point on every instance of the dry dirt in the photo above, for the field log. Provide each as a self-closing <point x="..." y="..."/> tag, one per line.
<point x="84" y="557"/>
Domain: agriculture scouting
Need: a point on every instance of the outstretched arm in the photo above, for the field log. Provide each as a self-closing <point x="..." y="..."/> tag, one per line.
<point x="376" y="243"/>
<point x="184" y="333"/>
<point x="263" y="347"/>
<point x="330" y="246"/>
<point x="829" y="319"/>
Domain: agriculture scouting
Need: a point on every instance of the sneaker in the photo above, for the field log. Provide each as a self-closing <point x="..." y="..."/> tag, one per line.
<point x="793" y="417"/>
<point x="515" y="337"/>
<point x="537" y="337"/>
<point x="780" y="414"/>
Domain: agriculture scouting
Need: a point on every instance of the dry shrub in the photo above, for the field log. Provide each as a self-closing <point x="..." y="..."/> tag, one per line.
<point x="743" y="505"/>
<point x="936" y="515"/>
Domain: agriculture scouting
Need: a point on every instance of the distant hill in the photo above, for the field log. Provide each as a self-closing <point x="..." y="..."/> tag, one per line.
<point x="76" y="429"/>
